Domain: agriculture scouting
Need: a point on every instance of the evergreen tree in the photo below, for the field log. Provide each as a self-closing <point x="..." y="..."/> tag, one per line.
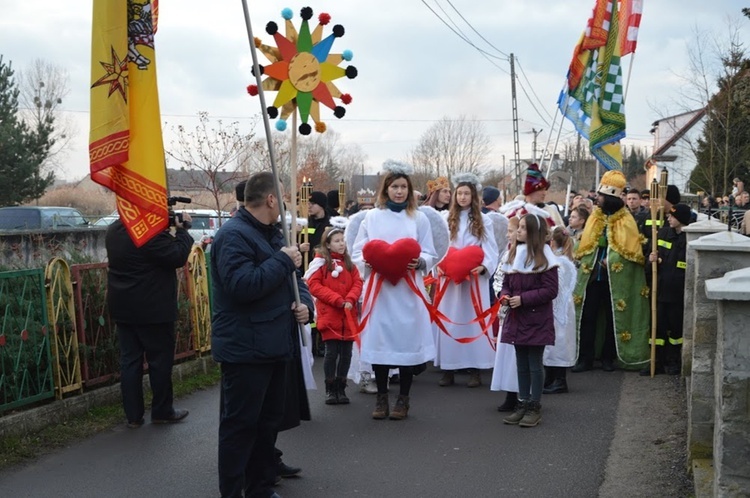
<point x="22" y="149"/>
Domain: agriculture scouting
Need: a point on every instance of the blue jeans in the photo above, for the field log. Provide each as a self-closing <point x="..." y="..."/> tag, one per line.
<point x="530" y="372"/>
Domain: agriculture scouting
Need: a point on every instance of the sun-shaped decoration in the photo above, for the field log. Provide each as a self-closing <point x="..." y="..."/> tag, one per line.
<point x="302" y="71"/>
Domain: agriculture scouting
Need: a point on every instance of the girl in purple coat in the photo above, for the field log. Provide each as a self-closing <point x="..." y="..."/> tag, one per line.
<point x="529" y="287"/>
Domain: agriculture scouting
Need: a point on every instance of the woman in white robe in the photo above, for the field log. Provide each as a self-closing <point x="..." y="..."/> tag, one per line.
<point x="397" y="329"/>
<point x="457" y="304"/>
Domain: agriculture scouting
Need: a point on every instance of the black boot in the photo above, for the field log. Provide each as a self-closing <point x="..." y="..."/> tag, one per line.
<point x="341" y="391"/>
<point x="511" y="400"/>
<point x="549" y="376"/>
<point x="559" y="383"/>
<point x="332" y="395"/>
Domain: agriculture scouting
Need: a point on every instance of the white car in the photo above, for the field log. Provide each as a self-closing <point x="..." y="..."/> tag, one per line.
<point x="205" y="222"/>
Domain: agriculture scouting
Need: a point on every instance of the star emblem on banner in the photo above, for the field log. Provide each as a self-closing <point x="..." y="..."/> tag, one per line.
<point x="116" y="77"/>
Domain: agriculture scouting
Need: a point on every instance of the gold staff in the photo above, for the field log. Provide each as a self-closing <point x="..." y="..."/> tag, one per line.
<point x="304" y="208"/>
<point x="342" y="196"/>
<point x="656" y="203"/>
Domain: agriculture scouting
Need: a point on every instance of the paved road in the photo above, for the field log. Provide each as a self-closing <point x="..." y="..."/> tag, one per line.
<point x="453" y="444"/>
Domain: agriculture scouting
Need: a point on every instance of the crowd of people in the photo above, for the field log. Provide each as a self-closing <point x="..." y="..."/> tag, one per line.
<point x="460" y="279"/>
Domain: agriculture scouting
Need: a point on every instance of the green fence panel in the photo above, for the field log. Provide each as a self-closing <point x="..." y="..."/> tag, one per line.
<point x="25" y="355"/>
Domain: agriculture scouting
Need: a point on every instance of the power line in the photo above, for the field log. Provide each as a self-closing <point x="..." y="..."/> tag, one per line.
<point x="532" y="88"/>
<point x="482" y="52"/>
<point x="477" y="32"/>
<point x="544" y="120"/>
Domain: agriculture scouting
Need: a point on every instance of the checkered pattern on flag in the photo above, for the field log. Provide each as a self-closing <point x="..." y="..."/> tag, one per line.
<point x="595" y="105"/>
<point x="126" y="151"/>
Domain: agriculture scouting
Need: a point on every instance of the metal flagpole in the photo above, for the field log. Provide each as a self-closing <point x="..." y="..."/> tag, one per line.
<point x="267" y="125"/>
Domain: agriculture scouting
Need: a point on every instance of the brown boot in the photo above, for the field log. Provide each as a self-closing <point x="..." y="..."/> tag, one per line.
<point x="533" y="415"/>
<point x="517" y="414"/>
<point x="401" y="408"/>
<point x="381" y="407"/>
<point x="332" y="397"/>
<point x="447" y="379"/>
<point x="475" y="380"/>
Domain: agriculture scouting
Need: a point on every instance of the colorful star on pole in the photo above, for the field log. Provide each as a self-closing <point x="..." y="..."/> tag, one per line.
<point x="302" y="71"/>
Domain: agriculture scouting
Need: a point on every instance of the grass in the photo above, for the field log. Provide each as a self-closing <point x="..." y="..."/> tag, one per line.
<point x="16" y="450"/>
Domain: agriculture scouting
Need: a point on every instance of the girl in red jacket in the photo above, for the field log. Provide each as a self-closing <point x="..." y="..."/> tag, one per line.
<point x="529" y="287"/>
<point x="336" y="285"/>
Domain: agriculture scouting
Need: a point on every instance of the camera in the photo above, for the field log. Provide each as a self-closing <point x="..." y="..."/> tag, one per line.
<point x="175" y="217"/>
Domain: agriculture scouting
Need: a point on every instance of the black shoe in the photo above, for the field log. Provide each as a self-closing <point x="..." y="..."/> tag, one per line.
<point x="673" y="370"/>
<point x="509" y="405"/>
<point x="582" y="366"/>
<point x="284" y="470"/>
<point x="608" y="365"/>
<point x="559" y="386"/>
<point x="135" y="425"/>
<point x="176" y="416"/>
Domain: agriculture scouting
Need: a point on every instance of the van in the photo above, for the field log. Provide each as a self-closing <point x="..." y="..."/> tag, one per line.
<point x="40" y="218"/>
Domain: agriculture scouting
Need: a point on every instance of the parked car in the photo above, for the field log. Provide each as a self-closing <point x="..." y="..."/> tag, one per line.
<point x="205" y="222"/>
<point x="40" y="218"/>
<point x="107" y="219"/>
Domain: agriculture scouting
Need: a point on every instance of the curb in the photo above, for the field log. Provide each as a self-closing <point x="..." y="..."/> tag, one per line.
<point x="35" y="419"/>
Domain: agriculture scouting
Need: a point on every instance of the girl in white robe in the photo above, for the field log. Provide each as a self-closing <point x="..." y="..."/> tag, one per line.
<point x="397" y="328"/>
<point x="468" y="227"/>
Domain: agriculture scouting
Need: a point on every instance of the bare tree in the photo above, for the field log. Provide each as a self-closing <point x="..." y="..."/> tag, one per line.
<point x="210" y="156"/>
<point x="451" y="146"/>
<point x="43" y="86"/>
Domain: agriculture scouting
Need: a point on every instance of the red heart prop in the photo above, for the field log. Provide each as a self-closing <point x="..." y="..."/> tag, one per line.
<point x="458" y="263"/>
<point x="390" y="260"/>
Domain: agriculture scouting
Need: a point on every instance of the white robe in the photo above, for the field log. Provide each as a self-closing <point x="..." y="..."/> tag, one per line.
<point x="399" y="330"/>
<point x="456" y="305"/>
<point x="564" y="352"/>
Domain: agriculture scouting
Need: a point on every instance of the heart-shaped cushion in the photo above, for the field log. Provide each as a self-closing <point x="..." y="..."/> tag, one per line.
<point x="390" y="260"/>
<point x="458" y="263"/>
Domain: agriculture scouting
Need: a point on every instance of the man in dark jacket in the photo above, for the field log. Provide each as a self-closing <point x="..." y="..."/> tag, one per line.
<point x="254" y="336"/>
<point x="142" y="298"/>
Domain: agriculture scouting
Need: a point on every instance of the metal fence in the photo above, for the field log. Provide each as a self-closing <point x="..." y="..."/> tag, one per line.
<point x="57" y="337"/>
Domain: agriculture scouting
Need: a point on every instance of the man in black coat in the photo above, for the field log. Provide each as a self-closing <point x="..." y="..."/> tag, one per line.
<point x="142" y="299"/>
<point x="255" y="326"/>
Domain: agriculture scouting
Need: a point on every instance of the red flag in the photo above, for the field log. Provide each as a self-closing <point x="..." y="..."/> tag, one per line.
<point x="630" y="21"/>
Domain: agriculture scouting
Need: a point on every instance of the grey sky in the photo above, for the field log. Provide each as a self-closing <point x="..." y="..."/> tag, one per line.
<point x="412" y="69"/>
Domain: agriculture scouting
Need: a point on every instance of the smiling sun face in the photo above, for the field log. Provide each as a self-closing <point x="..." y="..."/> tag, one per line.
<point x="302" y="71"/>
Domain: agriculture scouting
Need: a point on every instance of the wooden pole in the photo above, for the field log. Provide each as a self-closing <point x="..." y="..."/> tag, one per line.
<point x="654" y="205"/>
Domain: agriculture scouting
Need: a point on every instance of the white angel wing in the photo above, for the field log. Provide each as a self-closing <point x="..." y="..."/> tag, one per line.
<point x="500" y="227"/>
<point x="440" y="234"/>
<point x="352" y="228"/>
<point x="566" y="282"/>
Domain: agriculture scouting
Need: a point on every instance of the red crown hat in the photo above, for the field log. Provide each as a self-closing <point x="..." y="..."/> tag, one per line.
<point x="534" y="180"/>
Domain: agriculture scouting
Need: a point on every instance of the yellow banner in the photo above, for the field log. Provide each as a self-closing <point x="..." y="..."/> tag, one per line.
<point x="126" y="151"/>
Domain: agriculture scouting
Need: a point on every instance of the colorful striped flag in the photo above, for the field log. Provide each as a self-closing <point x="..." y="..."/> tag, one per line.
<point x="593" y="97"/>
<point x="630" y="21"/>
<point x="126" y="151"/>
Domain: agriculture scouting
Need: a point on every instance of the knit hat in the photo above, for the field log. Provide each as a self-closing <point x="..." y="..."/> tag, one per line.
<point x="613" y="182"/>
<point x="239" y="191"/>
<point x="319" y="198"/>
<point x="333" y="199"/>
<point x="438" y="183"/>
<point x="682" y="213"/>
<point x="490" y="194"/>
<point x="673" y="194"/>
<point x="534" y="180"/>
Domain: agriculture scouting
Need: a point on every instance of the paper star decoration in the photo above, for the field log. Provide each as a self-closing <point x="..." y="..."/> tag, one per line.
<point x="302" y="71"/>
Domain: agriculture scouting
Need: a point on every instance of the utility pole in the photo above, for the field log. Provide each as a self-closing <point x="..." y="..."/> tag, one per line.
<point x="533" y="145"/>
<point x="516" y="144"/>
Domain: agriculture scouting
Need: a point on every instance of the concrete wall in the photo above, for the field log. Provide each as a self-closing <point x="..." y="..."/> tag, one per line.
<point x="33" y="248"/>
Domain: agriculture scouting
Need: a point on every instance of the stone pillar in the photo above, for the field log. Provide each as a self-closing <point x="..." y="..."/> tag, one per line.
<point x="715" y="255"/>
<point x="693" y="232"/>
<point x="731" y="458"/>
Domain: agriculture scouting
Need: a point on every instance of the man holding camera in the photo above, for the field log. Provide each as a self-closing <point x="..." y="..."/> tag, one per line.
<point x="142" y="299"/>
